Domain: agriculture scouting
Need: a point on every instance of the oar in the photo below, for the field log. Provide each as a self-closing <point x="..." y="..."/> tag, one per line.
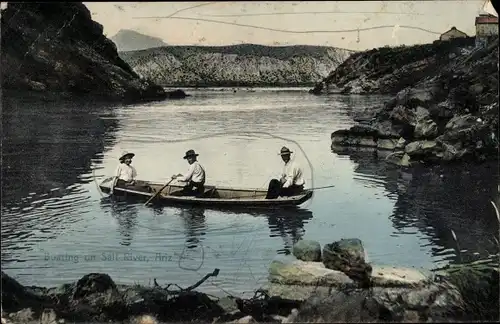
<point x="158" y="192"/>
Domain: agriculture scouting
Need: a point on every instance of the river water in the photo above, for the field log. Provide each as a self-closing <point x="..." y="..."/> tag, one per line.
<point x="58" y="226"/>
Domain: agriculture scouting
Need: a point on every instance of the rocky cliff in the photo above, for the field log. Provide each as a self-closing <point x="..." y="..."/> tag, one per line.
<point x="388" y="70"/>
<point x="238" y="65"/>
<point x="449" y="112"/>
<point x="56" y="48"/>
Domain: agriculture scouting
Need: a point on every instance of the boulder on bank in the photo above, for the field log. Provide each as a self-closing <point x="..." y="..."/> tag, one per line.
<point x="298" y="272"/>
<point x="399" y="158"/>
<point x="307" y="250"/>
<point x="297" y="292"/>
<point x="384" y="136"/>
<point x="426" y="128"/>
<point x="390" y="276"/>
<point x="432" y="303"/>
<point x="289" y="271"/>
<point x="397" y="294"/>
<point x="177" y="94"/>
<point x="95" y="297"/>
<point x="348" y="256"/>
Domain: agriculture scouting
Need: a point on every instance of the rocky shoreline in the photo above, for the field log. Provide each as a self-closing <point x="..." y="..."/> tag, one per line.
<point x="56" y="49"/>
<point x="330" y="285"/>
<point x="445" y="104"/>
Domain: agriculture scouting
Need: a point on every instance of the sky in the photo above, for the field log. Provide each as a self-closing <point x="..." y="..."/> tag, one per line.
<point x="290" y="23"/>
<point x="328" y="23"/>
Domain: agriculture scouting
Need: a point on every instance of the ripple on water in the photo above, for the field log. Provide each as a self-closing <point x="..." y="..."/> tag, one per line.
<point x="403" y="218"/>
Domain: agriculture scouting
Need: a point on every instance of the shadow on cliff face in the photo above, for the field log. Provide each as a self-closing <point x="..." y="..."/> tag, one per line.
<point x="439" y="200"/>
<point x="58" y="48"/>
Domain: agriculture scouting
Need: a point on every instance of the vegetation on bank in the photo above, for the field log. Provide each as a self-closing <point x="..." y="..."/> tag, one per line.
<point x="284" y="52"/>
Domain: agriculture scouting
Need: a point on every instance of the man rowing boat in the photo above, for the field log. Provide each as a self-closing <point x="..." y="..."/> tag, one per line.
<point x="291" y="182"/>
<point x="195" y="177"/>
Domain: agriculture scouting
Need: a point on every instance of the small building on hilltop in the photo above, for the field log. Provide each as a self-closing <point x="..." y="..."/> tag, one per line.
<point x="452" y="33"/>
<point x="486" y="29"/>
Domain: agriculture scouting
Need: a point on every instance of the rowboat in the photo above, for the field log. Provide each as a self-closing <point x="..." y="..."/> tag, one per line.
<point x="212" y="195"/>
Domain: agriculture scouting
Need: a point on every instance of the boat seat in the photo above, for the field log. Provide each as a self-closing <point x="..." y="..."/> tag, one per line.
<point x="209" y="192"/>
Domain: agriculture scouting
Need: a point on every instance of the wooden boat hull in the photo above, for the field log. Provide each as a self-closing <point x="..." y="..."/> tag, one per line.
<point x="213" y="196"/>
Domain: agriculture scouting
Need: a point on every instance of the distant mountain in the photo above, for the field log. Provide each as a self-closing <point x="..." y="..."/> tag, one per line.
<point x="235" y="65"/>
<point x="129" y="40"/>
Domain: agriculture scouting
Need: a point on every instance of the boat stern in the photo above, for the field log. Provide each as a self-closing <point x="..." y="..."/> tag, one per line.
<point x="105" y="185"/>
<point x="308" y="195"/>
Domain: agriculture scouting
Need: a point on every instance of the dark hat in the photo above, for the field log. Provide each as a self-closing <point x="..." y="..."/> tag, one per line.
<point x="190" y="153"/>
<point x="125" y="154"/>
<point x="285" y="151"/>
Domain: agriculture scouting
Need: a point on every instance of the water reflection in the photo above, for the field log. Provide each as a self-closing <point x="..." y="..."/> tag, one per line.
<point x="194" y="223"/>
<point x="288" y="223"/>
<point x="49" y="145"/>
<point x="126" y="217"/>
<point x="440" y="202"/>
<point x="47" y="152"/>
<point x="290" y="226"/>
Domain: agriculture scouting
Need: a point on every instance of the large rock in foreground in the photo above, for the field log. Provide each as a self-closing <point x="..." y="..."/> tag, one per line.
<point x="58" y="48"/>
<point x="299" y="272"/>
<point x="96" y="298"/>
<point x="289" y="271"/>
<point x="433" y="303"/>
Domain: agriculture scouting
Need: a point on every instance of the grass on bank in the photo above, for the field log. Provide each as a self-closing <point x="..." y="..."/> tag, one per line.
<point x="478" y="283"/>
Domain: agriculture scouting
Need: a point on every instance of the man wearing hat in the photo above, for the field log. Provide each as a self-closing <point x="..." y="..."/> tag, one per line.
<point x="125" y="173"/>
<point x="195" y="177"/>
<point x="291" y="182"/>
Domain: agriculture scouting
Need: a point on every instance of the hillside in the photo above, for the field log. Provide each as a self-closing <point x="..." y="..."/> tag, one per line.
<point x="236" y="65"/>
<point x="56" y="48"/>
<point x="447" y="112"/>
<point x="387" y="70"/>
<point x="129" y="40"/>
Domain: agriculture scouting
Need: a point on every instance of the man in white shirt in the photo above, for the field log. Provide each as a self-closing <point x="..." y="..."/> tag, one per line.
<point x="291" y="182"/>
<point x="195" y="177"/>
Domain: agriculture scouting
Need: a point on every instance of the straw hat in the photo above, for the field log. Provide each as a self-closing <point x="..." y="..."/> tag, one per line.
<point x="125" y="154"/>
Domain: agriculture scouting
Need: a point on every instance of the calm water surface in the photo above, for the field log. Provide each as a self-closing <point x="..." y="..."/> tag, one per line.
<point x="58" y="226"/>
